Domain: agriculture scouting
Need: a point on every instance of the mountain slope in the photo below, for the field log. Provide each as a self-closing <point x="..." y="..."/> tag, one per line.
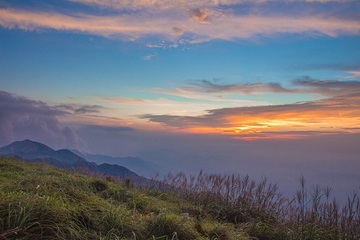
<point x="37" y="202"/>
<point x="31" y="150"/>
<point x="38" y="152"/>
<point x="136" y="164"/>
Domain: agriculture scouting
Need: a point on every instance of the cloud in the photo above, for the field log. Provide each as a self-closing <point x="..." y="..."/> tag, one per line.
<point x="106" y="129"/>
<point x="215" y="89"/>
<point x="206" y="86"/>
<point x="328" y="87"/>
<point x="23" y="118"/>
<point x="170" y="4"/>
<point x="200" y="15"/>
<point x="79" y="109"/>
<point x="354" y="73"/>
<point x="131" y="108"/>
<point x="282" y="160"/>
<point x="103" y="26"/>
<point x="175" y="24"/>
<point x="149" y="56"/>
<point x="305" y="116"/>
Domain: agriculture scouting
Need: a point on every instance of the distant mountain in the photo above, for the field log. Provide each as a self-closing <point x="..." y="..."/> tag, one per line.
<point x="38" y="152"/>
<point x="30" y="150"/>
<point x="136" y="164"/>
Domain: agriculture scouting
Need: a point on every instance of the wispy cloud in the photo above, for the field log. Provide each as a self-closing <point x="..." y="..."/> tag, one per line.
<point x="216" y="89"/>
<point x="318" y="115"/>
<point x="206" y="86"/>
<point x="78" y="109"/>
<point x="166" y="4"/>
<point x="127" y="26"/>
<point x="246" y="116"/>
<point x="113" y="129"/>
<point x="191" y="24"/>
<point x="354" y="73"/>
<point x="328" y="87"/>
<point x="134" y="106"/>
<point x="149" y="56"/>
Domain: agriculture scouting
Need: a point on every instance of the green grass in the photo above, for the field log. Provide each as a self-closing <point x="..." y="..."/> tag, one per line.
<point x="38" y="201"/>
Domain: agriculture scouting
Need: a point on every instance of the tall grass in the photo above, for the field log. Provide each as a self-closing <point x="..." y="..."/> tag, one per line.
<point x="316" y="214"/>
<point x="262" y="210"/>
<point x="41" y="202"/>
<point x="229" y="198"/>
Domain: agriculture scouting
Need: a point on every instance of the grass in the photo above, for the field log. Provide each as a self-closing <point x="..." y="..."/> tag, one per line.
<point x="38" y="201"/>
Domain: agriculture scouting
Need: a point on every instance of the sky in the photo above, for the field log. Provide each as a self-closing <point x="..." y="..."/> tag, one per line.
<point x="261" y="87"/>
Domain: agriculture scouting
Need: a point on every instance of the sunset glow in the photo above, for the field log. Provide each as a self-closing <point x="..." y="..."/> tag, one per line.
<point x="175" y="92"/>
<point x="250" y="86"/>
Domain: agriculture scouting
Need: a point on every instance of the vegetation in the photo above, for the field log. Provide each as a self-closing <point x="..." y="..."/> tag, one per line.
<point x="38" y="201"/>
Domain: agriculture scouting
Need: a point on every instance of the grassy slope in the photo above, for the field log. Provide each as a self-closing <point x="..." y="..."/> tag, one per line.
<point x="40" y="201"/>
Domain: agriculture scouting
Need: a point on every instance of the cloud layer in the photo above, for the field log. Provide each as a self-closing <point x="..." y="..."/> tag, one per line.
<point x="339" y="113"/>
<point x="328" y="87"/>
<point x="305" y="85"/>
<point x="23" y="118"/>
<point x="166" y="4"/>
<point x="206" y="86"/>
<point x="183" y="21"/>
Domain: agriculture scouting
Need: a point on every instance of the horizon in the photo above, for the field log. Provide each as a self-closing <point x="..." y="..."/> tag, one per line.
<point x="265" y="88"/>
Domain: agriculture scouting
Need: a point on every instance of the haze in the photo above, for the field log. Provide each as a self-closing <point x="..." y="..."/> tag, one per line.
<point x="261" y="87"/>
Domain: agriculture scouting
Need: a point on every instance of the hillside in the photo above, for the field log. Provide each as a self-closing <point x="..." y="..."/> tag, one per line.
<point x="32" y="150"/>
<point x="38" y="201"/>
<point x="63" y="158"/>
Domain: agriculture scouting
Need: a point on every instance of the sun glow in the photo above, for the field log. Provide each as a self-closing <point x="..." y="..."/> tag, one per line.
<point x="280" y="126"/>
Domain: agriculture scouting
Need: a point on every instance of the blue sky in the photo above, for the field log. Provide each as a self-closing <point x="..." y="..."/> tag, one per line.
<point x="154" y="78"/>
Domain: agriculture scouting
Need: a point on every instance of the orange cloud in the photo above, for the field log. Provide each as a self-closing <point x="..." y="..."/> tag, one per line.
<point x="125" y="25"/>
<point x="176" y="26"/>
<point x="337" y="114"/>
<point x="166" y="4"/>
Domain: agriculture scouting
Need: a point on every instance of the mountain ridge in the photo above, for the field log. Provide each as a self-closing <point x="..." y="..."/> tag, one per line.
<point x="136" y="164"/>
<point x="38" y="152"/>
